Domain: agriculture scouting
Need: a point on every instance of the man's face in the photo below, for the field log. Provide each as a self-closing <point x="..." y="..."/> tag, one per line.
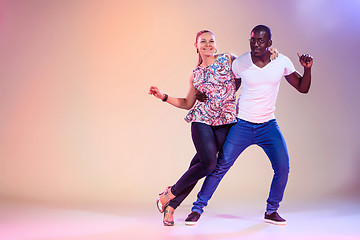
<point x="259" y="43"/>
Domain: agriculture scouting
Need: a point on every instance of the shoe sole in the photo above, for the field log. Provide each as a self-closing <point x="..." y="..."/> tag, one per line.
<point x="190" y="223"/>
<point x="274" y="222"/>
<point x="168" y="224"/>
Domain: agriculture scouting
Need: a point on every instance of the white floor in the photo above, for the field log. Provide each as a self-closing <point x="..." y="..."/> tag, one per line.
<point x="25" y="221"/>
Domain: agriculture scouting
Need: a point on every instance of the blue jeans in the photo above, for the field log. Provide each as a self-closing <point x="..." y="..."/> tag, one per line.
<point x="207" y="140"/>
<point x="243" y="134"/>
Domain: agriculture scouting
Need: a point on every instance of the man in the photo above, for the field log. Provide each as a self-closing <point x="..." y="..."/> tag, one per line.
<point x="260" y="81"/>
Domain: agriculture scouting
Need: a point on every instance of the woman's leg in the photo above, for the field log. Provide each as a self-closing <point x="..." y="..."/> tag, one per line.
<point x="238" y="139"/>
<point x="174" y="203"/>
<point x="210" y="141"/>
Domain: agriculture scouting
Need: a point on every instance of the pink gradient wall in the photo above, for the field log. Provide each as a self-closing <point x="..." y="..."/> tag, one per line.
<point x="77" y="124"/>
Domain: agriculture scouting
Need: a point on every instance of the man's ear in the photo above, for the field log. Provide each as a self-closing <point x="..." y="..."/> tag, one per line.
<point x="270" y="43"/>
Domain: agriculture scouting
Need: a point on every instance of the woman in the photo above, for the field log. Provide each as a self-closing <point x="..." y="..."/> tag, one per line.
<point x="210" y="120"/>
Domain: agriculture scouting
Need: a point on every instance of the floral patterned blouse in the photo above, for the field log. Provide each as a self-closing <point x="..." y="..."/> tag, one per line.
<point x="218" y="83"/>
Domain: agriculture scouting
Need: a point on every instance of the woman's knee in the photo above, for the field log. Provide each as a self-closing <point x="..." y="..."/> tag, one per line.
<point x="208" y="167"/>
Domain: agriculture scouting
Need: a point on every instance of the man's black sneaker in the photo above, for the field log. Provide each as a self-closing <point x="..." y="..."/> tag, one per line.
<point x="192" y="218"/>
<point x="274" y="218"/>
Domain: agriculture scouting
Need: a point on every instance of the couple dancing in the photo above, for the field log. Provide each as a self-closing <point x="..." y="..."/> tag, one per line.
<point x="222" y="130"/>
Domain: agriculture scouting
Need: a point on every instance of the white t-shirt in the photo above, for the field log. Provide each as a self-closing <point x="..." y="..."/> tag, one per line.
<point x="259" y="86"/>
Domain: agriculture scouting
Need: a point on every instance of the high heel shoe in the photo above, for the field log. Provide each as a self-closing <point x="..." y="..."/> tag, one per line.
<point x="161" y="206"/>
<point x="170" y="220"/>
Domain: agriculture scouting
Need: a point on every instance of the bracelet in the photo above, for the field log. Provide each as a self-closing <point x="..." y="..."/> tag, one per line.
<point x="165" y="97"/>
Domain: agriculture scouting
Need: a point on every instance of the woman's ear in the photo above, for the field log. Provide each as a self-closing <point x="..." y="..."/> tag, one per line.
<point x="197" y="50"/>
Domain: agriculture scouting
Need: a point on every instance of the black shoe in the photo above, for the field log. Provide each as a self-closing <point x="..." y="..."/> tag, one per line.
<point x="274" y="218"/>
<point x="192" y="218"/>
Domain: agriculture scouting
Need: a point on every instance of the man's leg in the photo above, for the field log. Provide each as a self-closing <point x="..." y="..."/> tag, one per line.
<point x="272" y="141"/>
<point x="238" y="139"/>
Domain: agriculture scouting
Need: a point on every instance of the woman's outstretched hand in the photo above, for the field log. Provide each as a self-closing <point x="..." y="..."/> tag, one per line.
<point x="156" y="92"/>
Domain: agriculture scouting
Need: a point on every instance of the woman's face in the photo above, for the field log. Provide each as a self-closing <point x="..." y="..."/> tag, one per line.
<point x="206" y="44"/>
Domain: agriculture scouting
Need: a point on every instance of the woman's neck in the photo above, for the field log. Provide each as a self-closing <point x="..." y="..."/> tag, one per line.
<point x="207" y="60"/>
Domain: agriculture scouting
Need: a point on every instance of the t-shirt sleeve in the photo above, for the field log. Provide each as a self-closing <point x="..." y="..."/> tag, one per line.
<point x="235" y="68"/>
<point x="289" y="66"/>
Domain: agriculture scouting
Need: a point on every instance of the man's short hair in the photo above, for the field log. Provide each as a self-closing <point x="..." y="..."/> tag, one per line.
<point x="260" y="28"/>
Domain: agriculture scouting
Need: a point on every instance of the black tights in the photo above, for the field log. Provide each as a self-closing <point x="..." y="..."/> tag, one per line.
<point x="207" y="140"/>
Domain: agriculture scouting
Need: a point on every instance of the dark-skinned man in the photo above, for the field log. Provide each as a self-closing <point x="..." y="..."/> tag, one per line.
<point x="260" y="81"/>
